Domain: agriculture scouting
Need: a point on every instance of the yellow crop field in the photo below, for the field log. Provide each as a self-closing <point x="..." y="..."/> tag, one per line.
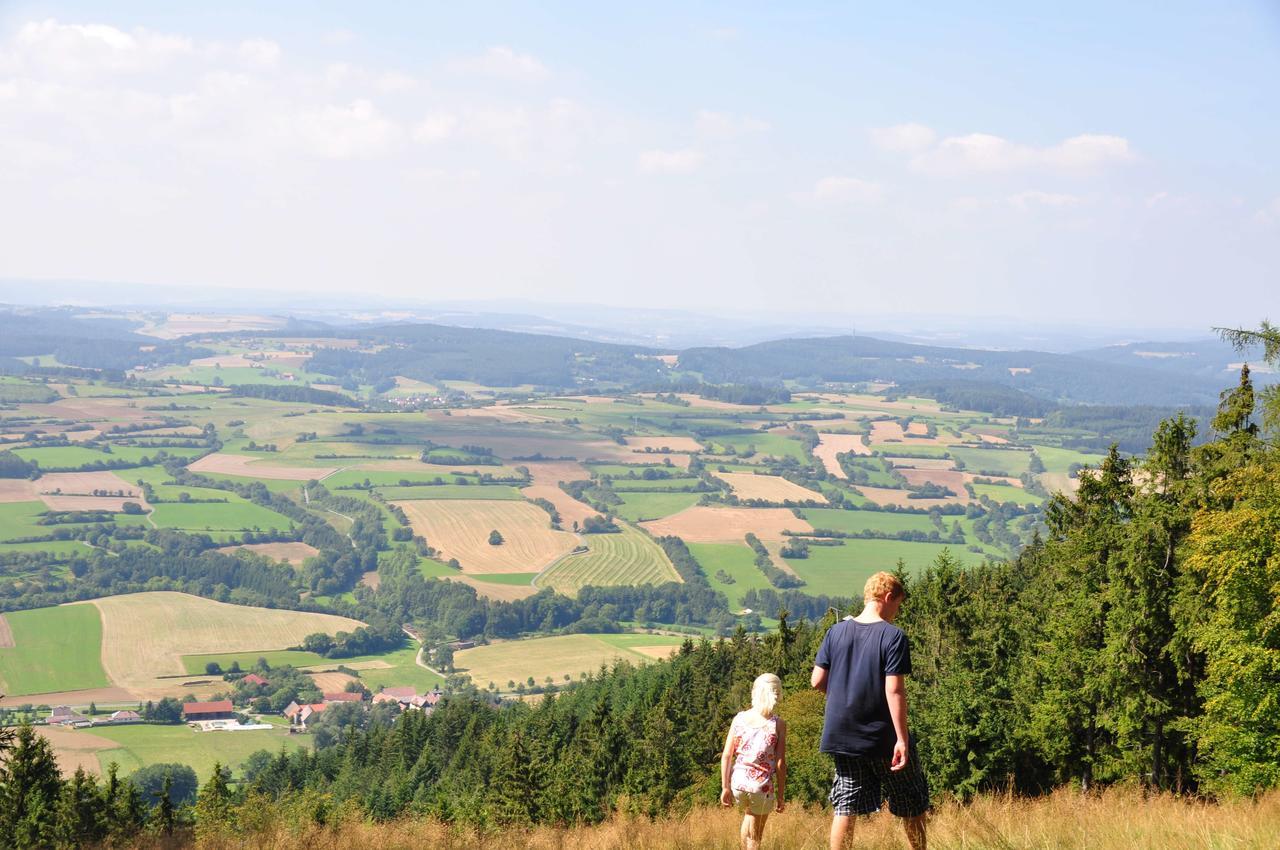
<point x="628" y="558"/>
<point x="460" y="529"/>
<point x="517" y="660"/>
<point x="145" y="635"/>
<point x="769" y="488"/>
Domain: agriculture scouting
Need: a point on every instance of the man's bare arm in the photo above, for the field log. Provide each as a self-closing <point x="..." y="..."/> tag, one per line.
<point x="818" y="678"/>
<point x="895" y="692"/>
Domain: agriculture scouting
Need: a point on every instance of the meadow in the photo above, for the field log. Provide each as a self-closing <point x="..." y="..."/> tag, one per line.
<point x="236" y="514"/>
<point x="842" y="570"/>
<point x="140" y="745"/>
<point x="737" y="560"/>
<point x="855" y="521"/>
<point x="639" y="507"/>
<point x="555" y="657"/>
<point x="53" y="649"/>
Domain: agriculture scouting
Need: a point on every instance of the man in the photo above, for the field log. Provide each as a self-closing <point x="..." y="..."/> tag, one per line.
<point x="860" y="667"/>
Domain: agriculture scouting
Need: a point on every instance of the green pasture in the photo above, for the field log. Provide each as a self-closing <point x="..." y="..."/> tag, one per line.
<point x="18" y="519"/>
<point x="737" y="560"/>
<point x="145" y="744"/>
<point x="765" y="443"/>
<point x="60" y="549"/>
<point x="639" y="485"/>
<point x="910" y="449"/>
<point x="517" y="579"/>
<point x="236" y="515"/>
<point x="1004" y="494"/>
<point x="1001" y="461"/>
<point x="354" y="477"/>
<point x="275" y="485"/>
<point x="55" y="649"/>
<point x="842" y="570"/>
<point x="638" y="507"/>
<point x="1060" y="460"/>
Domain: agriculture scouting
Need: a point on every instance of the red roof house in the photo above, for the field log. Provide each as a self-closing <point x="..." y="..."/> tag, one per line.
<point x="254" y="679"/>
<point x="344" y="696"/>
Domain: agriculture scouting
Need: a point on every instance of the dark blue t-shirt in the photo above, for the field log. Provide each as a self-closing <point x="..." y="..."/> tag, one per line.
<point x="857" y="658"/>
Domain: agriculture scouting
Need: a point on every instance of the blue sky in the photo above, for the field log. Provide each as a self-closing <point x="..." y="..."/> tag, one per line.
<point x="1088" y="161"/>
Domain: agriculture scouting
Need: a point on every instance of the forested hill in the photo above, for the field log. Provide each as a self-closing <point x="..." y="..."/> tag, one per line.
<point x="1061" y="378"/>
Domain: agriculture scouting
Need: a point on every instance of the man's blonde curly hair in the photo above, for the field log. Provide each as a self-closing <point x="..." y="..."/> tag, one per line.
<point x="880" y="584"/>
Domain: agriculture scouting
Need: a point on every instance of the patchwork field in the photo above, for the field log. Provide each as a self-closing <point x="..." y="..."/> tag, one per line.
<point x="714" y="524"/>
<point x="250" y="467"/>
<point x="886" y="496"/>
<point x="52" y="649"/>
<point x="628" y="558"/>
<point x="768" y="488"/>
<point x="235" y="515"/>
<point x="830" y="445"/>
<point x="460" y="529"/>
<point x="145" y="635"/>
<point x="554" y="657"/>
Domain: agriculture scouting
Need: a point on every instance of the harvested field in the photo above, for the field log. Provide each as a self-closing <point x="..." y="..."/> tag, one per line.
<point x="75" y="748"/>
<point x="557" y="656"/>
<point x="85" y="483"/>
<point x="948" y="478"/>
<point x="887" y="496"/>
<point x="17" y="490"/>
<point x="331" y="682"/>
<point x="460" y="529"/>
<point x="1059" y="482"/>
<point x="656" y="444"/>
<point x="830" y="445"/>
<point x="227" y="464"/>
<point x="292" y="553"/>
<point x="1007" y="479"/>
<point x="993" y="439"/>
<point x="712" y="524"/>
<point x="768" y="488"/>
<point x="661" y="652"/>
<point x="88" y="503"/>
<point x="102" y="696"/>
<point x="6" y="634"/>
<point x="629" y="558"/>
<point x="496" y="590"/>
<point x="546" y="479"/>
<point x="145" y="635"/>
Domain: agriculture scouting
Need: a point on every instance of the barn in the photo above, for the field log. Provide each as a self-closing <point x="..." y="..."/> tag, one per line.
<point x="218" y="710"/>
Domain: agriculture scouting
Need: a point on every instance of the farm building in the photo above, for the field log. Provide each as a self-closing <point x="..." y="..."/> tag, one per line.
<point x="343" y="696"/>
<point x="218" y="710"/>
<point x="126" y="717"/>
<point x="300" y="715"/>
<point x="62" y="715"/>
<point x="254" y="679"/>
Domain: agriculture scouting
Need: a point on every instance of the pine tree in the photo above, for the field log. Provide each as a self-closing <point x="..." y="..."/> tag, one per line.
<point x="213" y="808"/>
<point x="30" y="786"/>
<point x="80" y="816"/>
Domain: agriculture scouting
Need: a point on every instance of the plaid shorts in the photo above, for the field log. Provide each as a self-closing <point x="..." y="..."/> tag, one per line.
<point x="862" y="782"/>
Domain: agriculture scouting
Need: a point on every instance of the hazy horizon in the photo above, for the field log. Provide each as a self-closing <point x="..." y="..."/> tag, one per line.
<point x="1099" y="166"/>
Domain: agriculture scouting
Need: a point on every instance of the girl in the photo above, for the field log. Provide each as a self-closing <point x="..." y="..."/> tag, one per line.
<point x="753" y="767"/>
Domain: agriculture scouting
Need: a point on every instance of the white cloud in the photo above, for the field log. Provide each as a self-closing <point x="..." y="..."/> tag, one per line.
<point x="684" y="161"/>
<point x="900" y="138"/>
<point x="841" y="190"/>
<point x="435" y="128"/>
<point x="501" y="62"/>
<point x="983" y="153"/>
<point x="72" y="49"/>
<point x="260" y="52"/>
<point x="1030" y="199"/>
<point x="1269" y="214"/>
<point x="355" y="131"/>
<point x="723" y="125"/>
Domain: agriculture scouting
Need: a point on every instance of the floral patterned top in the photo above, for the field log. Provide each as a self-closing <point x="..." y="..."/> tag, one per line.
<point x="757" y="756"/>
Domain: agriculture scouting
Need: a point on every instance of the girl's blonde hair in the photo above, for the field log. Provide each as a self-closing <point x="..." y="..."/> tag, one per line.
<point x="765" y="693"/>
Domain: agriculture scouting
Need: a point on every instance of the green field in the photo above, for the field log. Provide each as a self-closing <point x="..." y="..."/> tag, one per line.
<point x="145" y="744"/>
<point x="353" y="477"/>
<point x="518" y="579"/>
<point x="1001" y="461"/>
<point x="629" y="558"/>
<point x="237" y="515"/>
<point x="275" y="485"/>
<point x="56" y="548"/>
<point x="55" y="649"/>
<point x="18" y="519"/>
<point x="855" y="521"/>
<point x="449" y="491"/>
<point x="634" y="485"/>
<point x="737" y="560"/>
<point x="1004" y="494"/>
<point x="397" y="667"/>
<point x="638" y="507"/>
<point x="842" y="570"/>
<point x="765" y="443"/>
<point x="1060" y="460"/>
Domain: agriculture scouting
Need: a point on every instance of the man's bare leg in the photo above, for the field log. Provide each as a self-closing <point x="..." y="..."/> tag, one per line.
<point x="914" y="827"/>
<point x="840" y="827"/>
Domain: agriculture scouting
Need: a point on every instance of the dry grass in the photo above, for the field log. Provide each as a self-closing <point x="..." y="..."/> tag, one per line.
<point x="546" y="480"/>
<point x="460" y="529"/>
<point x="6" y="634"/>
<point x="102" y="696"/>
<point x="707" y="524"/>
<point x="496" y="590"/>
<point x="145" y="635"/>
<point x="245" y="466"/>
<point x="948" y="478"/>
<point x="768" y="488"/>
<point x="515" y="660"/>
<point x="291" y="553"/>
<point x="830" y="445"/>
<point x="1119" y="820"/>
<point x="17" y="490"/>
<point x="75" y="748"/>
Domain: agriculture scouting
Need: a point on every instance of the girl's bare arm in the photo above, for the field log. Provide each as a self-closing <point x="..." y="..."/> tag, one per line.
<point x="726" y="767"/>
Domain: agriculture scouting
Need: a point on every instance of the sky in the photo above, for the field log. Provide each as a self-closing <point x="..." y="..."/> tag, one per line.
<point x="1100" y="162"/>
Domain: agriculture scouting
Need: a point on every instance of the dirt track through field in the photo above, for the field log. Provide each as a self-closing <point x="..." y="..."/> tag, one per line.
<point x="460" y="529"/>
<point x="708" y="524"/>
<point x="6" y="634"/>
<point x="830" y="445"/>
